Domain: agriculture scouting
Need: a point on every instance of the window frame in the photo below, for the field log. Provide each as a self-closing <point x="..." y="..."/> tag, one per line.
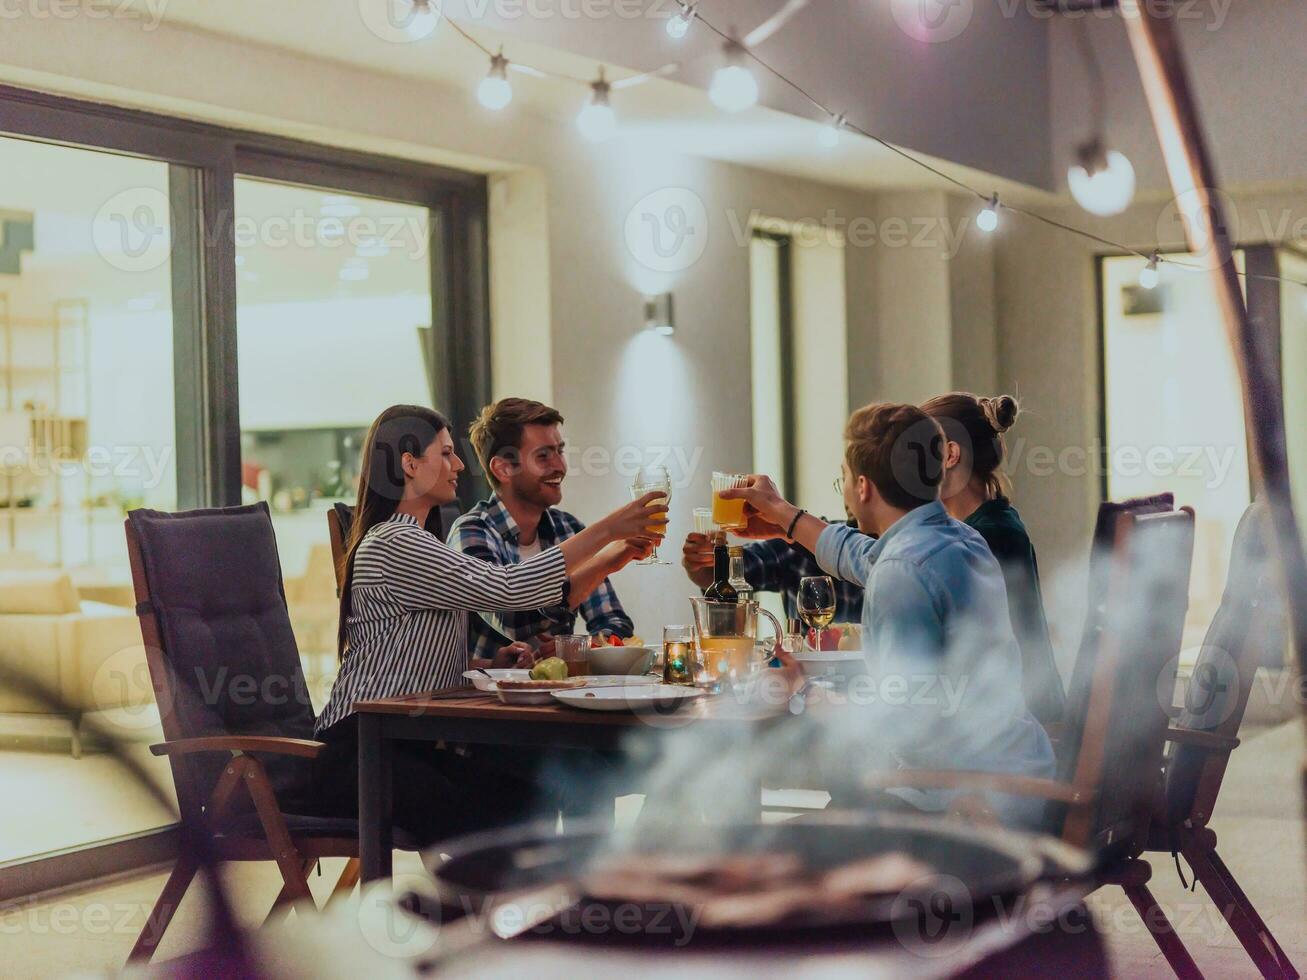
<point x="204" y="161"/>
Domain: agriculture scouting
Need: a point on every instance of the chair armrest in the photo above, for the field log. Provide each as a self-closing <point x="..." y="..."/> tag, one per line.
<point x="996" y="782"/>
<point x="240" y="743"/>
<point x="1201" y="740"/>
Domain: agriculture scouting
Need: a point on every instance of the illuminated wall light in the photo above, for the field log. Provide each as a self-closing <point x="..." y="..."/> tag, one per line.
<point x="987" y="220"/>
<point x="1102" y="181"/>
<point x="495" y="92"/>
<point x="597" y="121"/>
<point x="1149" y="277"/>
<point x="734" y="88"/>
<point x="830" y="133"/>
<point x="679" y="25"/>
<point x="422" y="16"/>
<point x="659" y="315"/>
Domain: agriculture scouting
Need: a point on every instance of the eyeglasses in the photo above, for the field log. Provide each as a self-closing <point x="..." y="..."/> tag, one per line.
<point x="839" y="484"/>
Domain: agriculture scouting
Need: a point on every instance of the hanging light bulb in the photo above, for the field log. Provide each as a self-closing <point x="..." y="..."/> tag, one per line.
<point x="987" y="220"/>
<point x="679" y="25"/>
<point x="1148" y="275"/>
<point x="1102" y="181"/>
<point x="421" y="18"/>
<point x="597" y="120"/>
<point x="830" y="133"/>
<point x="495" y="92"/>
<point x="734" y="88"/>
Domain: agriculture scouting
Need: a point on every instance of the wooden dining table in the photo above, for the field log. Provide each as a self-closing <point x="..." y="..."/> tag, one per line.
<point x="467" y="716"/>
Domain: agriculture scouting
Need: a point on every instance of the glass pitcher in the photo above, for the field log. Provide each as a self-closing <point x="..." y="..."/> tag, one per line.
<point x="728" y="638"/>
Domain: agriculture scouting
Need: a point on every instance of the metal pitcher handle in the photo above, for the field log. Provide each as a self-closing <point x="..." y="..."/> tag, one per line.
<point x="778" y="635"/>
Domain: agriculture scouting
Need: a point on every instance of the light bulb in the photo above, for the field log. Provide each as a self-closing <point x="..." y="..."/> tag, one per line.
<point x="679" y="25"/>
<point x="1148" y="275"/>
<point x="1102" y="181"/>
<point x="422" y="18"/>
<point x="987" y="220"/>
<point x="830" y="133"/>
<point x="597" y="120"/>
<point x="734" y="88"/>
<point x="495" y="92"/>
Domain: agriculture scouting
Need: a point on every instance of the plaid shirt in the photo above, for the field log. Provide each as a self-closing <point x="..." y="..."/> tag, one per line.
<point x="488" y="532"/>
<point x="776" y="565"/>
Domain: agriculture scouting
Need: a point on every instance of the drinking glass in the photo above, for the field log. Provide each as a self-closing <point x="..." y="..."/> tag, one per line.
<point x="647" y="480"/>
<point x="679" y="655"/>
<point x="816" y="602"/>
<point x="703" y="521"/>
<point x="574" y="650"/>
<point x="727" y="514"/>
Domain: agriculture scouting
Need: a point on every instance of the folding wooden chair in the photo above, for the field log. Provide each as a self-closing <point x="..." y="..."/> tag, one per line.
<point x="1109" y="783"/>
<point x="234" y="706"/>
<point x="1246" y="633"/>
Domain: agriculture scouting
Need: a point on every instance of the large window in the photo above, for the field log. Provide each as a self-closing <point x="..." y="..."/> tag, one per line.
<point x="333" y="324"/>
<point x="86" y="434"/>
<point x="1173" y="413"/>
<point x="190" y="317"/>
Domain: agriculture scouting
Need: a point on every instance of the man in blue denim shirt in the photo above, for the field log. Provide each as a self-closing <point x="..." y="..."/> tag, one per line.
<point x="935" y="626"/>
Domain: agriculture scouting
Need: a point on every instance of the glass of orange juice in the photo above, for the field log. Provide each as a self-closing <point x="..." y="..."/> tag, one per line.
<point x="727" y="514"/>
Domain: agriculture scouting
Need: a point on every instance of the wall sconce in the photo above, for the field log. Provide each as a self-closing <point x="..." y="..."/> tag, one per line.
<point x="658" y="315"/>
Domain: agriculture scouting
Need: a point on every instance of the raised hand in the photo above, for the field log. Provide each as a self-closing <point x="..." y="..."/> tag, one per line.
<point x="766" y="512"/>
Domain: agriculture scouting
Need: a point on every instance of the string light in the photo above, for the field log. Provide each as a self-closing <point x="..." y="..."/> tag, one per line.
<point x="734" y="88"/>
<point x="1102" y="181"/>
<point x="987" y="220"/>
<point x="830" y="133"/>
<point x="597" y="120"/>
<point x="679" y="25"/>
<point x="495" y="92"/>
<point x="1148" y="275"/>
<point x="422" y="18"/>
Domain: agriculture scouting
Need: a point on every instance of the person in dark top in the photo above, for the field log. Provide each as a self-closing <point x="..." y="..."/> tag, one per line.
<point x="973" y="493"/>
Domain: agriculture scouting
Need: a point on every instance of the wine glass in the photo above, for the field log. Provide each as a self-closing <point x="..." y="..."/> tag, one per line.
<point x="816" y="602"/>
<point x="650" y="479"/>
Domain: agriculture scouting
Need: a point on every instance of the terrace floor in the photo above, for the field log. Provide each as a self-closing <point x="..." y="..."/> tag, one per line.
<point x="1258" y="821"/>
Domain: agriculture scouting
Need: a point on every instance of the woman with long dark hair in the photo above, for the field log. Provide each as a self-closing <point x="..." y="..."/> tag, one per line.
<point x="404" y="603"/>
<point x="975" y="492"/>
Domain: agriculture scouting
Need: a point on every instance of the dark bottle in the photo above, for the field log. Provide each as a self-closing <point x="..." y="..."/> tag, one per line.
<point x="721" y="589"/>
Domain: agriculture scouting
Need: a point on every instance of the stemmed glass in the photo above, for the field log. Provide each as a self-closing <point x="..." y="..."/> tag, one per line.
<point x="816" y="603"/>
<point x="650" y="479"/>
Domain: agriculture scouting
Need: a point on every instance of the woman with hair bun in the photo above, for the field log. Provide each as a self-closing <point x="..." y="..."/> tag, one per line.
<point x="974" y="492"/>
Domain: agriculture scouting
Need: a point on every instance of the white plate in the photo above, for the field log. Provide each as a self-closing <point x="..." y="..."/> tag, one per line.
<point x="483" y="683"/>
<point x="828" y="656"/>
<point x="526" y="696"/>
<point x="627" y="698"/>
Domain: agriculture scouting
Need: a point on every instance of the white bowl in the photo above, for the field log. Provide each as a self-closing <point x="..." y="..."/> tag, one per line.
<point x="610" y="661"/>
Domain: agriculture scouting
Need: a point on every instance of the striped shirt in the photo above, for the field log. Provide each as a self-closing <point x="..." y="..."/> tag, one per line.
<point x="488" y="532"/>
<point x="409" y="600"/>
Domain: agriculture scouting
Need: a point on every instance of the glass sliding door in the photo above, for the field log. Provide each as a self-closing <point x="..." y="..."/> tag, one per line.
<point x="333" y="325"/>
<point x="1173" y="413"/>
<point x="86" y="434"/>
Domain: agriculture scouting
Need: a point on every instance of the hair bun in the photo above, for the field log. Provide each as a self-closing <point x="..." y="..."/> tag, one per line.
<point x="1002" y="411"/>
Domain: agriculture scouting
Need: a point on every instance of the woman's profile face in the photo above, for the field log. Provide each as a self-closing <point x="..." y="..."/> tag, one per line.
<point x="434" y="474"/>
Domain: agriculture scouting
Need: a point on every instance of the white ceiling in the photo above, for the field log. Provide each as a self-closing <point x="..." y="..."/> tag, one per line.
<point x="678" y="115"/>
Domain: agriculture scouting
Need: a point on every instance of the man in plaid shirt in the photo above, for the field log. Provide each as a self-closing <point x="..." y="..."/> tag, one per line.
<point x="519" y="444"/>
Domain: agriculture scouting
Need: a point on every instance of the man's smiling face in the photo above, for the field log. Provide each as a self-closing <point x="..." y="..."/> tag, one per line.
<point x="538" y="475"/>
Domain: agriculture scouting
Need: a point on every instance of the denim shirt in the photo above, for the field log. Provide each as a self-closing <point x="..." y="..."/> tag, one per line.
<point x="941" y="652"/>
